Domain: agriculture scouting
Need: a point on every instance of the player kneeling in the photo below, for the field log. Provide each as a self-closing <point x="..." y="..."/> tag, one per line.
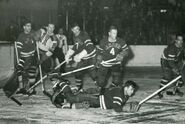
<point x="113" y="98"/>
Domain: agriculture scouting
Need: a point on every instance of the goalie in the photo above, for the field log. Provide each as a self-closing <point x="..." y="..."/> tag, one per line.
<point x="113" y="98"/>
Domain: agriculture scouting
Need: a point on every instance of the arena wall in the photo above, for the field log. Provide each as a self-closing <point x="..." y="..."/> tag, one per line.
<point x="140" y="55"/>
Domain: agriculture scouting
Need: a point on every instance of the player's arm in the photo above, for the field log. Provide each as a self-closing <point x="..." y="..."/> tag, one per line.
<point x="117" y="104"/>
<point x="65" y="45"/>
<point x="171" y="57"/>
<point x="19" y="45"/>
<point x="88" y="50"/>
<point x="123" y="53"/>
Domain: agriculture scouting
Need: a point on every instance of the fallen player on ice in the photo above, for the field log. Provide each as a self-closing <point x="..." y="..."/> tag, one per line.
<point x="113" y="98"/>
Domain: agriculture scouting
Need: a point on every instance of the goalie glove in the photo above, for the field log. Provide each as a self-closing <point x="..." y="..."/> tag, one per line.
<point x="78" y="57"/>
<point x="68" y="55"/>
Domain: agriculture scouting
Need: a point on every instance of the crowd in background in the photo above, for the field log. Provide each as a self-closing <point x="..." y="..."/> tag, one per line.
<point x="140" y="22"/>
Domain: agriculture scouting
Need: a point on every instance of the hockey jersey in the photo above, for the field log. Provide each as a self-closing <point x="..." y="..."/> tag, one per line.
<point x="26" y="45"/>
<point x="172" y="55"/>
<point x="83" y="41"/>
<point x="47" y="43"/>
<point x="113" y="98"/>
<point x="109" y="50"/>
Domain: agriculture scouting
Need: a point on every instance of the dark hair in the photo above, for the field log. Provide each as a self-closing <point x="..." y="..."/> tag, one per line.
<point x="132" y="84"/>
<point x="112" y="27"/>
<point x="75" y="25"/>
<point x="26" y="21"/>
<point x="178" y="34"/>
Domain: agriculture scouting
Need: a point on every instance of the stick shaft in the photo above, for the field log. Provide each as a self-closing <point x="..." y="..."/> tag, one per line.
<point x="159" y="90"/>
<point x="40" y="69"/>
<point x="44" y="77"/>
<point x="16" y="52"/>
<point x="87" y="67"/>
<point x="77" y="70"/>
<point x="16" y="101"/>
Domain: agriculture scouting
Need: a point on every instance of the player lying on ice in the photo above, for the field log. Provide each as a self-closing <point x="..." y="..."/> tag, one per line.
<point x="113" y="98"/>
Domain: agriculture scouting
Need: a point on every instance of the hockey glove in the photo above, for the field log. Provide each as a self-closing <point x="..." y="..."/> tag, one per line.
<point x="119" y="57"/>
<point x="42" y="59"/>
<point x="99" y="60"/>
<point x="176" y="71"/>
<point x="133" y="106"/>
<point x="68" y="55"/>
<point x="122" y="55"/>
<point x="78" y="57"/>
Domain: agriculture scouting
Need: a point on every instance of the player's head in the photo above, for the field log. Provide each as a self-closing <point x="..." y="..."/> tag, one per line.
<point x="61" y="31"/>
<point x="50" y="28"/>
<point x="75" y="29"/>
<point x="179" y="40"/>
<point x="27" y="26"/>
<point x="130" y="87"/>
<point x="113" y="31"/>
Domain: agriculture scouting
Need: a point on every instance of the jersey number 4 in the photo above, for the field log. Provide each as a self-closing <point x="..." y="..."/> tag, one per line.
<point x="112" y="51"/>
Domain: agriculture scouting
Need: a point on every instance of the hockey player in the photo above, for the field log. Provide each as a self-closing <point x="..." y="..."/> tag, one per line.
<point x="83" y="53"/>
<point x="111" y="47"/>
<point x="26" y="58"/>
<point x="47" y="43"/>
<point x="61" y="49"/>
<point x="171" y="64"/>
<point x="113" y="98"/>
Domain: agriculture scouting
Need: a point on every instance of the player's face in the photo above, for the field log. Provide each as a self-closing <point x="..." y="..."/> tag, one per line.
<point x="51" y="28"/>
<point x="60" y="31"/>
<point x="130" y="90"/>
<point x="179" y="41"/>
<point x="27" y="28"/>
<point x="113" y="34"/>
<point x="76" y="30"/>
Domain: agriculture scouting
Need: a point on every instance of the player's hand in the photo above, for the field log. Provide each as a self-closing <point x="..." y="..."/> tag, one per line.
<point x="77" y="58"/>
<point x="67" y="59"/>
<point x="119" y="57"/>
<point x="133" y="106"/>
<point x="99" y="59"/>
<point x="176" y="71"/>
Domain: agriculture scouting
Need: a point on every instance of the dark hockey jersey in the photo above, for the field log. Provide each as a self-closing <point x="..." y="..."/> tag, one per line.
<point x="172" y="55"/>
<point x="113" y="98"/>
<point x="109" y="50"/>
<point x="25" y="44"/>
<point x="83" y="41"/>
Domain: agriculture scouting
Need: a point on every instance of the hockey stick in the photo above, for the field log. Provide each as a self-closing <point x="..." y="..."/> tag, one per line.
<point x="16" y="52"/>
<point x="156" y="92"/>
<point x="87" y="67"/>
<point x="17" y="58"/>
<point x="40" y="69"/>
<point x="16" y="101"/>
<point x="77" y="70"/>
<point x="45" y="76"/>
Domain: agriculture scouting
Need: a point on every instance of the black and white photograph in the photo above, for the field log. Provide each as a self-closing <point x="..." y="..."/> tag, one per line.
<point x="92" y="61"/>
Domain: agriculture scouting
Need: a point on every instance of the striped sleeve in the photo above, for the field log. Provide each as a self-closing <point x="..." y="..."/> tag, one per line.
<point x="117" y="103"/>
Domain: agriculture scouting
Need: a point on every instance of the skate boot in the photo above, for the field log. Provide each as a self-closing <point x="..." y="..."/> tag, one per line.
<point x="178" y="92"/>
